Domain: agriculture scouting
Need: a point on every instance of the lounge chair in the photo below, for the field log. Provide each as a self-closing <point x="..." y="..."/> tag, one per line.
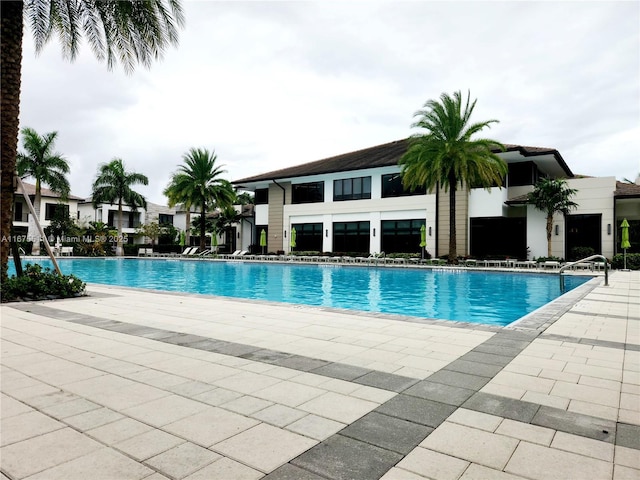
<point x="189" y="251"/>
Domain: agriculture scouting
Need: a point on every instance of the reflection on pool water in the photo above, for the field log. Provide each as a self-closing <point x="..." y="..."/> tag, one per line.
<point x="449" y="294"/>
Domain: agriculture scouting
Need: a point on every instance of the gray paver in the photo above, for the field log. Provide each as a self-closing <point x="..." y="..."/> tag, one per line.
<point x="474" y="368"/>
<point x="578" y="424"/>
<point x="489" y="358"/>
<point x="387" y="432"/>
<point x="341" y="371"/>
<point x="386" y="381"/>
<point x="502" y="406"/>
<point x="457" y="379"/>
<point x="439" y="392"/>
<point x="418" y="410"/>
<point x="628" y="436"/>
<point x="299" y="362"/>
<point x="343" y="458"/>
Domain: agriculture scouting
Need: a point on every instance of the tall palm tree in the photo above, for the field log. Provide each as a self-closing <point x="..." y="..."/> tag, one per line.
<point x="113" y="185"/>
<point x="446" y="156"/>
<point x="551" y="196"/>
<point x="40" y="162"/>
<point x="129" y="31"/>
<point x="198" y="182"/>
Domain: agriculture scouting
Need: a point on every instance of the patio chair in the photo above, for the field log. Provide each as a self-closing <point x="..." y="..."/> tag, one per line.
<point x="189" y="251"/>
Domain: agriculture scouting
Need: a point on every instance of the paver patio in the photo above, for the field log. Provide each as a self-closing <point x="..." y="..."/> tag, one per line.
<point x="131" y="384"/>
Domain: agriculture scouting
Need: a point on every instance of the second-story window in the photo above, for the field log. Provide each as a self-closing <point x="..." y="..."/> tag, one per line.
<point x="352" y="188"/>
<point x="261" y="196"/>
<point x="307" y="192"/>
<point x="392" y="187"/>
<point x="164" y="218"/>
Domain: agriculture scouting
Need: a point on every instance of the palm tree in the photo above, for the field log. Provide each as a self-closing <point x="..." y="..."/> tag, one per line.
<point x="446" y="155"/>
<point x="113" y="185"/>
<point x="129" y="31"/>
<point x="45" y="166"/>
<point x="198" y="182"/>
<point x="551" y="196"/>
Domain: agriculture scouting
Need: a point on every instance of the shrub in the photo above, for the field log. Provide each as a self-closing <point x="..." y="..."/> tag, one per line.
<point x="578" y="253"/>
<point x="633" y="261"/>
<point x="39" y="284"/>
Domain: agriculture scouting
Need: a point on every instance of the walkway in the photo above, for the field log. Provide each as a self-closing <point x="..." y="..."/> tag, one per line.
<point x="127" y="384"/>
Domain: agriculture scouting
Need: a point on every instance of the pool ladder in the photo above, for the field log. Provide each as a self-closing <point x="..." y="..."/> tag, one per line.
<point x="592" y="257"/>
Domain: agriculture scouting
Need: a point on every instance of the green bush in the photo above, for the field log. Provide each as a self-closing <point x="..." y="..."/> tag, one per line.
<point x="578" y="253"/>
<point x="633" y="261"/>
<point x="39" y="284"/>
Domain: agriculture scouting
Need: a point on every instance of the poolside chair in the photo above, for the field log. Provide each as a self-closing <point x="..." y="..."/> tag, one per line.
<point x="189" y="251"/>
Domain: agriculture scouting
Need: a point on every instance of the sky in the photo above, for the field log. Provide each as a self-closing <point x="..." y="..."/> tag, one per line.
<point x="272" y="84"/>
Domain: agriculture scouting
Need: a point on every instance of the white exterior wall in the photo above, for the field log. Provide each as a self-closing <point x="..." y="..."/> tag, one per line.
<point x="262" y="214"/>
<point x="537" y="233"/>
<point x="487" y="203"/>
<point x="595" y="196"/>
<point x="373" y="210"/>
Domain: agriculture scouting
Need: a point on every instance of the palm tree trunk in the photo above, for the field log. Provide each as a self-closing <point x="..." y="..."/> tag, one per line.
<point x="10" y="65"/>
<point x="549" y="231"/>
<point x="187" y="231"/>
<point x="203" y="219"/>
<point x="453" y="250"/>
<point x="33" y="232"/>
<point x="119" y="249"/>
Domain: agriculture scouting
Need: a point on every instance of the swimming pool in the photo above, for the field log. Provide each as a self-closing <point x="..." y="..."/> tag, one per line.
<point x="494" y="298"/>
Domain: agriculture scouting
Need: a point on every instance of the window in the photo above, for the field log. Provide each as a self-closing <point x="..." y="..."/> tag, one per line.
<point x="401" y="236"/>
<point x="523" y="173"/>
<point x="129" y="219"/>
<point x="261" y="196"/>
<point x="308" y="237"/>
<point x="55" y="210"/>
<point x="164" y="218"/>
<point x="351" y="237"/>
<point x="392" y="187"/>
<point x="352" y="188"/>
<point x="308" y="192"/>
<point x="17" y="212"/>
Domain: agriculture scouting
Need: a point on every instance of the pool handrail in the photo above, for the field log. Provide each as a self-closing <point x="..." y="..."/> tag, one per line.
<point x="586" y="259"/>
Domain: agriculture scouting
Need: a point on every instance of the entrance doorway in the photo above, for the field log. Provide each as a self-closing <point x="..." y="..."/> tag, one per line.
<point x="583" y="231"/>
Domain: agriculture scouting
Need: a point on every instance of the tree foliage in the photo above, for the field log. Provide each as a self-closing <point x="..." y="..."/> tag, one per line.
<point x="444" y="154"/>
<point x="551" y="196"/>
<point x="113" y="186"/>
<point x="198" y="182"/>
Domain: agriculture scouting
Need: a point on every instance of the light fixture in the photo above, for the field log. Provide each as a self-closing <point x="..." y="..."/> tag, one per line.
<point x="285" y="234"/>
<point x="557" y="229"/>
<point x="608" y="229"/>
<point x="429" y="231"/>
<point x="374" y="232"/>
<point x="326" y="233"/>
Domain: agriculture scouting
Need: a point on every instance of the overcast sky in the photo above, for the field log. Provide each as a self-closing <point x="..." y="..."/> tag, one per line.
<point x="273" y="84"/>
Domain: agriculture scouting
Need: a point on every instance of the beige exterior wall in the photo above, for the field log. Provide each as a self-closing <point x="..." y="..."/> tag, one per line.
<point x="462" y="222"/>
<point x="277" y="199"/>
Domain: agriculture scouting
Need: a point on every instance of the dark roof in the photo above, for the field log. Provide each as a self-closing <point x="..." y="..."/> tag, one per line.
<point x="45" y="192"/>
<point x="384" y="155"/>
<point x="628" y="190"/>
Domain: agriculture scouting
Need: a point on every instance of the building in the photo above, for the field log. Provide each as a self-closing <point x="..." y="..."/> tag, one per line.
<point x="355" y="202"/>
<point x="51" y="204"/>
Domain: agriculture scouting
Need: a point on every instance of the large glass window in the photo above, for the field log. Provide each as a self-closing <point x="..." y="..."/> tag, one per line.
<point x="401" y="236"/>
<point x="351" y="237"/>
<point x="129" y="219"/>
<point x="55" y="210"/>
<point x="352" y="188"/>
<point x="308" y="237"/>
<point x="164" y="218"/>
<point x="308" y="192"/>
<point x="523" y="173"/>
<point x="392" y="187"/>
<point x="261" y="196"/>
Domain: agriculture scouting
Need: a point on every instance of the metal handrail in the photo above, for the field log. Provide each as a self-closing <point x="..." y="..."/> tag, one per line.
<point x="592" y="257"/>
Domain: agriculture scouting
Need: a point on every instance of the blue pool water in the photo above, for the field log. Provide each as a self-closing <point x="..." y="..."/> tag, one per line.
<point x="470" y="296"/>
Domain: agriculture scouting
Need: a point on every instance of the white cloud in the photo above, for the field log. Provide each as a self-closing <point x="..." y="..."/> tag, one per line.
<point x="273" y="84"/>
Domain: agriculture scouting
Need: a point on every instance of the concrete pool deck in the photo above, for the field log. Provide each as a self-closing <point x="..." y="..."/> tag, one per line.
<point x="131" y="384"/>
